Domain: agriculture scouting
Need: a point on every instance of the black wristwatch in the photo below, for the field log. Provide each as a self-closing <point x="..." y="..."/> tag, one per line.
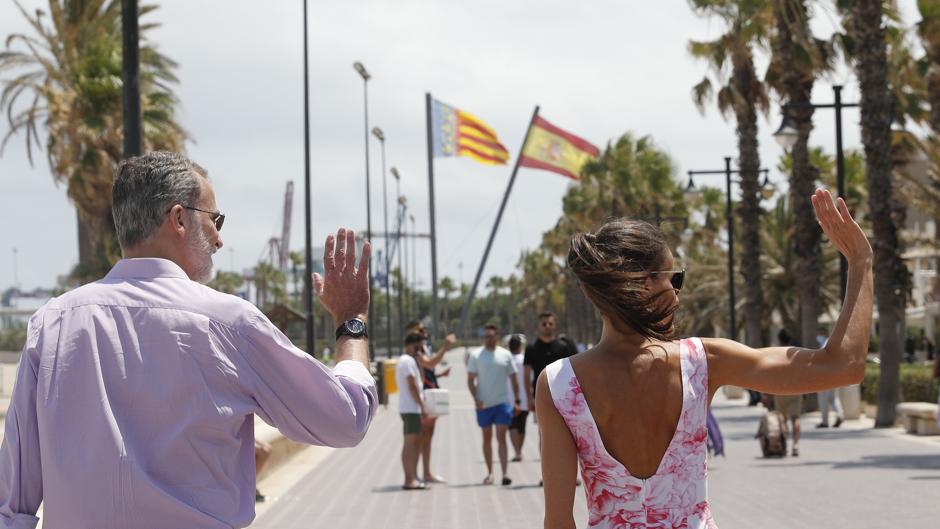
<point x="354" y="328"/>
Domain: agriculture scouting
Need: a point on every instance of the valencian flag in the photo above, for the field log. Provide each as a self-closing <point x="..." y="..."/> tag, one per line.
<point x="552" y="149"/>
<point x="459" y="133"/>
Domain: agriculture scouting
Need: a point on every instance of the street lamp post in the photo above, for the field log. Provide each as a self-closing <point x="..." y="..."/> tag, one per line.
<point x="729" y="213"/>
<point x="399" y="249"/>
<point x="786" y="136"/>
<point x="130" y="73"/>
<point x="309" y="325"/>
<point x="414" y="267"/>
<point x="377" y="132"/>
<point x="361" y="70"/>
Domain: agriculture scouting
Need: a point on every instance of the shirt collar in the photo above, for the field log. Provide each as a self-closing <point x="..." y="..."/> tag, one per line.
<point x="146" y="268"/>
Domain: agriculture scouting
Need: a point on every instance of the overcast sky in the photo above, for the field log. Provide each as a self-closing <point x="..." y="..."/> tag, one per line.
<point x="598" y="69"/>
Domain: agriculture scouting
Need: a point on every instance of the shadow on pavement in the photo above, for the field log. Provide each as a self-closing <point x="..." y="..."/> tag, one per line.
<point x="893" y="461"/>
<point x="470" y="485"/>
<point x="397" y="488"/>
<point x="919" y="462"/>
<point x="529" y="486"/>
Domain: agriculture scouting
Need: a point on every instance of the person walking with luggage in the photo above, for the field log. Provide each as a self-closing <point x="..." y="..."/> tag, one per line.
<point x="488" y="369"/>
<point x="632" y="409"/>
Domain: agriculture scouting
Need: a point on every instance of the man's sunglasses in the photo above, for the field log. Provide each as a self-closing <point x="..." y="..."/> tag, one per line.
<point x="677" y="278"/>
<point x="218" y="218"/>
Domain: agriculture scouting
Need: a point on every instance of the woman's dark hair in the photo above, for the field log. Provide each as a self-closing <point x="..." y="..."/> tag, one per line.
<point x="607" y="264"/>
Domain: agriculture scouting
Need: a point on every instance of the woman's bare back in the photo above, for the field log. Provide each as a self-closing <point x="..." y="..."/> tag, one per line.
<point x="635" y="399"/>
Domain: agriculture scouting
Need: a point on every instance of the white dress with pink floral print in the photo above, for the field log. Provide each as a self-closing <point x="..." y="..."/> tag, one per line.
<point x="675" y="497"/>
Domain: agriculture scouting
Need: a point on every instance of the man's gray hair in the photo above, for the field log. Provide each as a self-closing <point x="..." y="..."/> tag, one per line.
<point x="146" y="187"/>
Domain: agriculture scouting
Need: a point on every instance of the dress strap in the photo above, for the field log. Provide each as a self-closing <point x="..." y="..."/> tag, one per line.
<point x="558" y="374"/>
<point x="695" y="371"/>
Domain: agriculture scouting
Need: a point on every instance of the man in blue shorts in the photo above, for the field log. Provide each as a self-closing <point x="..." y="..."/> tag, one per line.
<point x="488" y="369"/>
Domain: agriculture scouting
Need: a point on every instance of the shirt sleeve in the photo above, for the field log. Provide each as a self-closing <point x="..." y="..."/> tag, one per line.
<point x="20" y="464"/>
<point x="304" y="399"/>
<point x="527" y="358"/>
<point x="472" y="364"/>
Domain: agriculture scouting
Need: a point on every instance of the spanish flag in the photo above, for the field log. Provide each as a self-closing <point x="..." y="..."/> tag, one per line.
<point x="459" y="133"/>
<point x="552" y="149"/>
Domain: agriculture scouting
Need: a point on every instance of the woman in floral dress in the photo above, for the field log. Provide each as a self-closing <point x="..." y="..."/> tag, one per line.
<point x="632" y="410"/>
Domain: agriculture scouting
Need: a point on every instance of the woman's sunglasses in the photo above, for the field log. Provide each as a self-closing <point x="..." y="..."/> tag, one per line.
<point x="677" y="278"/>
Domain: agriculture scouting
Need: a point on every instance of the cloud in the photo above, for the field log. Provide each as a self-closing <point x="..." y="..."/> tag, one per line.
<point x="598" y="69"/>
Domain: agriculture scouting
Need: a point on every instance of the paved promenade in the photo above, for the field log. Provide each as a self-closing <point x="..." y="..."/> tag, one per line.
<point x="854" y="477"/>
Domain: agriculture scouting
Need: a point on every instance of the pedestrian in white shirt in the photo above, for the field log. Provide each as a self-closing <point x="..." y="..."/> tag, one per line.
<point x="411" y="407"/>
<point x="517" y="427"/>
<point x="488" y="369"/>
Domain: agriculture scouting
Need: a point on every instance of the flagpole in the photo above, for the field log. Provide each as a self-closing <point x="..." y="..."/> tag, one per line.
<point x="427" y="111"/>
<point x="465" y="313"/>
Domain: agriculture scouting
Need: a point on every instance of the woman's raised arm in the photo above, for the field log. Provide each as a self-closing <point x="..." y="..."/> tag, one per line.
<point x="841" y="361"/>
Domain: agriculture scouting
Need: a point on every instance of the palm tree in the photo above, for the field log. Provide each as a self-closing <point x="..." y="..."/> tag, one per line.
<point x="864" y="21"/>
<point x="632" y="178"/>
<point x="271" y="284"/>
<point x="68" y="75"/>
<point x="798" y="58"/>
<point x="929" y="31"/>
<point x="297" y="262"/>
<point x="777" y="236"/>
<point x="495" y="284"/>
<point x="447" y="288"/>
<point x="743" y="95"/>
<point x="227" y="282"/>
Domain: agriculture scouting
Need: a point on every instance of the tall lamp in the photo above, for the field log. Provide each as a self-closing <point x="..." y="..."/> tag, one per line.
<point x="361" y="70"/>
<point x="787" y="135"/>
<point x="377" y="132"/>
<point x="766" y="191"/>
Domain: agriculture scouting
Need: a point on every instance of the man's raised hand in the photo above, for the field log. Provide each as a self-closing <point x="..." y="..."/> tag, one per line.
<point x="344" y="288"/>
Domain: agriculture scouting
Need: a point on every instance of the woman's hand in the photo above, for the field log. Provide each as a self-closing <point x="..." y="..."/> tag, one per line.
<point x="839" y="226"/>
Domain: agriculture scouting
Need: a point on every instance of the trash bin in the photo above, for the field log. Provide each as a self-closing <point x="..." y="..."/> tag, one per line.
<point x="391" y="386"/>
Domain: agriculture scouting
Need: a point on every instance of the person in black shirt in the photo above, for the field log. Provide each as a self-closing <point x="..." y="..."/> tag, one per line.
<point x="543" y="351"/>
<point x="547" y="348"/>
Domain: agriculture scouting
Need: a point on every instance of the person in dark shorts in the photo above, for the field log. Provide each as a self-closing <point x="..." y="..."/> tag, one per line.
<point x="428" y="360"/>
<point x="517" y="426"/>
<point x="411" y="407"/>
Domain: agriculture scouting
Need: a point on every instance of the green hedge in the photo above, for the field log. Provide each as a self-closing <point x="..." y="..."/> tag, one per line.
<point x="13" y="339"/>
<point x="917" y="383"/>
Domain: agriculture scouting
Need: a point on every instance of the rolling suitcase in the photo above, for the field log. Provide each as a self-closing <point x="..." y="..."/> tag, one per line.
<point x="772" y="434"/>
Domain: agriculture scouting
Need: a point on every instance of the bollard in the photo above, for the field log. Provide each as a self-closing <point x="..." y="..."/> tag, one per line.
<point x="380" y="383"/>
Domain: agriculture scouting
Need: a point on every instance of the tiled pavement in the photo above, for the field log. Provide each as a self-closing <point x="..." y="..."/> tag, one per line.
<point x="854" y="477"/>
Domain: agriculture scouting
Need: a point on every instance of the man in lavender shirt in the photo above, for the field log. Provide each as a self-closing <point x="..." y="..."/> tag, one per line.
<point x="134" y="402"/>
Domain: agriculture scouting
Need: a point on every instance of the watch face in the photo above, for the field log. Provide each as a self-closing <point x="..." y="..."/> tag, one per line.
<point x="355" y="326"/>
